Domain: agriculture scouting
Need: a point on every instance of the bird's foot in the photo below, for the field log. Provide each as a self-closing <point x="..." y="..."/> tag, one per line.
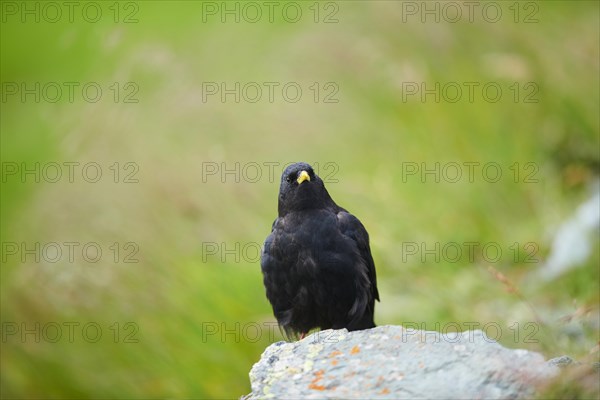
<point x="302" y="335"/>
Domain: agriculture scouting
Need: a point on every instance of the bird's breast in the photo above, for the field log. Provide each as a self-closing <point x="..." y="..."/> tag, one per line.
<point x="310" y="243"/>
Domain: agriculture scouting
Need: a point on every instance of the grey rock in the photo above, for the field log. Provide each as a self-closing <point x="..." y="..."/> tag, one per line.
<point x="561" y="361"/>
<point x="392" y="362"/>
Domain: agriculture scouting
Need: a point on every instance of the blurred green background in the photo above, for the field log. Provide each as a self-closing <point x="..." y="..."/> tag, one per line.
<point x="182" y="321"/>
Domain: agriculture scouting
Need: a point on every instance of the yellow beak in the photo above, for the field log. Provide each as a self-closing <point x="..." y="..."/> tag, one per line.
<point x="303" y="177"/>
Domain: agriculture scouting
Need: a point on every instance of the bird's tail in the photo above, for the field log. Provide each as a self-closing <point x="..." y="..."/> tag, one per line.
<point x="362" y="322"/>
<point x="361" y="314"/>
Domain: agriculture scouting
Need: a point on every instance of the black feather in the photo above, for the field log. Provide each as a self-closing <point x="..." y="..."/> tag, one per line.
<point x="317" y="265"/>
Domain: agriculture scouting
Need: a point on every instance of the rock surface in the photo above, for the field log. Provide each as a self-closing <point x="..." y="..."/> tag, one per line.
<point x="392" y="362"/>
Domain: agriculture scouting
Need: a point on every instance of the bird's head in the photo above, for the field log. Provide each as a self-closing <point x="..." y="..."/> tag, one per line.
<point x="302" y="189"/>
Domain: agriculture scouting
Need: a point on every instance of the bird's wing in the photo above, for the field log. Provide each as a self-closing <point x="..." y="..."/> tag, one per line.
<point x="275" y="283"/>
<point x="351" y="227"/>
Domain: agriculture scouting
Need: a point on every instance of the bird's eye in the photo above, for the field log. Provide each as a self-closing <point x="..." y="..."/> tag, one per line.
<point x="288" y="179"/>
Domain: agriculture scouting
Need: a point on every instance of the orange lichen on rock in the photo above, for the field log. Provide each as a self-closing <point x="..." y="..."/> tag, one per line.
<point x="318" y="376"/>
<point x="335" y="353"/>
<point x="355" y="350"/>
<point x="314" y="386"/>
<point x="385" y="391"/>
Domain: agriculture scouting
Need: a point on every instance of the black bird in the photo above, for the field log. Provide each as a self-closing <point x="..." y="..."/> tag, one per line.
<point x="316" y="263"/>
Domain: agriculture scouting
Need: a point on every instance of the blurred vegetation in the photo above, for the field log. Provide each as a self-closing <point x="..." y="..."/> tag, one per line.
<point x="177" y="295"/>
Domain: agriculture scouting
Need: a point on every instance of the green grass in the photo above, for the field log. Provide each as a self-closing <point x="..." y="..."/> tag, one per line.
<point x="176" y="295"/>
